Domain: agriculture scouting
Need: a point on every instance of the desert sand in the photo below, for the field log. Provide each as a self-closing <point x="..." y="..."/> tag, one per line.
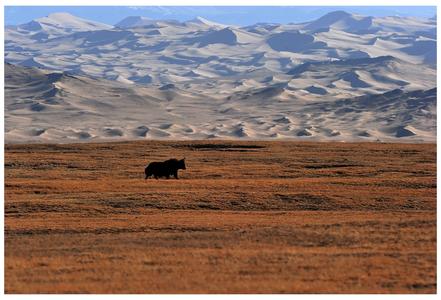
<point x="341" y="77"/>
<point x="46" y="106"/>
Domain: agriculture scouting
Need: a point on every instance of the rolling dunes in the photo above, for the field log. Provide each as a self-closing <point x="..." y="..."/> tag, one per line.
<point x="73" y="79"/>
<point x="44" y="105"/>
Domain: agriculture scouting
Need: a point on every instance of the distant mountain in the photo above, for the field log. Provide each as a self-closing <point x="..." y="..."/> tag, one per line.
<point x="135" y="21"/>
<point x="57" y="24"/>
<point x="229" y="72"/>
<point x="343" y="21"/>
<point x="204" y="22"/>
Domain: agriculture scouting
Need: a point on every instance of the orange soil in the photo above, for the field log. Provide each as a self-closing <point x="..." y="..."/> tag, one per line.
<point x="245" y="217"/>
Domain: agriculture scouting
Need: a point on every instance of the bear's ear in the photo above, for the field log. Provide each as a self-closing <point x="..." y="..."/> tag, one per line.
<point x="183" y="158"/>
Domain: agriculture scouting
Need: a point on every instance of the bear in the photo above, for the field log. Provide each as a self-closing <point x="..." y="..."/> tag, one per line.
<point x="164" y="169"/>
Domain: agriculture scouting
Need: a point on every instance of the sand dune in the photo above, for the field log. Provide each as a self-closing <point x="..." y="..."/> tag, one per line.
<point x="58" y="24"/>
<point x="344" y="21"/>
<point x="294" y="42"/>
<point x="340" y="77"/>
<point x="120" y="111"/>
<point x="141" y="41"/>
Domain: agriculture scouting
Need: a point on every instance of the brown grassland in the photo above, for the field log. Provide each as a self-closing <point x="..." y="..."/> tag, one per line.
<point x="245" y="217"/>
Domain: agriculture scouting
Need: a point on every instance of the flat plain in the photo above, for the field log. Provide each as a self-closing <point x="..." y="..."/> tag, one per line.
<point x="245" y="217"/>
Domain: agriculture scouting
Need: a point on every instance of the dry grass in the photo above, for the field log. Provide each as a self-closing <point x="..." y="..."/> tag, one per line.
<point x="245" y="217"/>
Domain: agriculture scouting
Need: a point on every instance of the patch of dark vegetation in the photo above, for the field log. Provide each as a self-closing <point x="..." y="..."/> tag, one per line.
<point x="322" y="226"/>
<point x="308" y="238"/>
<point x="382" y="199"/>
<point x="47" y="165"/>
<point x="421" y="173"/>
<point x="327" y="166"/>
<point x="207" y="206"/>
<point x="73" y="166"/>
<point x="123" y="204"/>
<point x="417" y="224"/>
<point x="135" y="208"/>
<point x="234" y="150"/>
<point x="9" y="165"/>
<point x="391" y="225"/>
<point x="406" y="184"/>
<point x="220" y="147"/>
<point x="25" y="207"/>
<point x="132" y="205"/>
<point x="18" y="165"/>
<point x="414" y="204"/>
<point x="108" y="230"/>
<point x="410" y="152"/>
<point x="421" y="286"/>
<point x="307" y="201"/>
<point x="283" y="176"/>
<point x="213" y="176"/>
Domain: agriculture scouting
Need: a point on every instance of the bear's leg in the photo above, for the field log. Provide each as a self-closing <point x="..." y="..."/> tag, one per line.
<point x="176" y="174"/>
<point x="148" y="172"/>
